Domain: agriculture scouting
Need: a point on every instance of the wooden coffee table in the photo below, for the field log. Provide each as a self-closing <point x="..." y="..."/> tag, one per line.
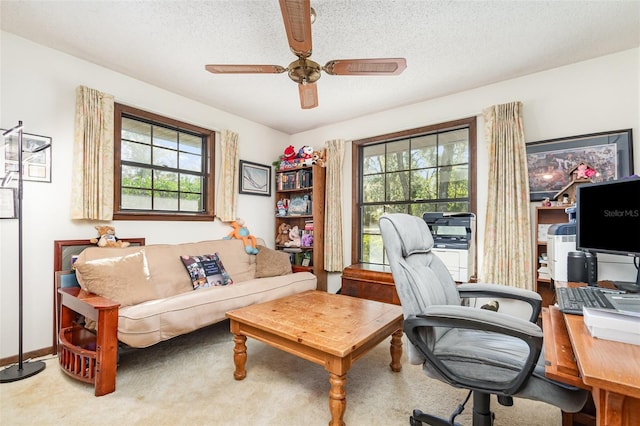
<point x="328" y="329"/>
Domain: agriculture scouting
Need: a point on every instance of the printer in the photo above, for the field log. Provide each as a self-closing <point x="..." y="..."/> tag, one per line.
<point x="454" y="242"/>
<point x="561" y="239"/>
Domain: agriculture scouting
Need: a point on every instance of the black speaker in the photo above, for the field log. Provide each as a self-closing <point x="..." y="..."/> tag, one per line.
<point x="592" y="268"/>
<point x="577" y="267"/>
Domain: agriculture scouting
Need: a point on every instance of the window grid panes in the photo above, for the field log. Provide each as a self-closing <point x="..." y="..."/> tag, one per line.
<point x="164" y="167"/>
<point x="416" y="174"/>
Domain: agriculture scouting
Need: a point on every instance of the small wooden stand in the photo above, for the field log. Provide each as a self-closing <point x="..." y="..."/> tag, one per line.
<point x="367" y="281"/>
<point x="88" y="365"/>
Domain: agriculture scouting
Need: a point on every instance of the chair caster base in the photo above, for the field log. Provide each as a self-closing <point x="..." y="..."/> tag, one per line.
<point x="419" y="417"/>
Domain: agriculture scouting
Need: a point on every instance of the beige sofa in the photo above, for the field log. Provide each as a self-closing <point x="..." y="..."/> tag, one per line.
<point x="156" y="293"/>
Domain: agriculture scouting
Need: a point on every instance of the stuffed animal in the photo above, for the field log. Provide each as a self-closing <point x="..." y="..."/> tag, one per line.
<point x="307" y="240"/>
<point x="584" y="172"/>
<point x="107" y="237"/>
<point x="289" y="153"/>
<point x="306" y="155"/>
<point x="240" y="232"/>
<point x="294" y="237"/>
<point x="318" y="158"/>
<point x="283" y="234"/>
<point x="281" y="206"/>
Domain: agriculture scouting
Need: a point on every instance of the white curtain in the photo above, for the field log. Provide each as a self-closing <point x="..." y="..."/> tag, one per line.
<point x="92" y="174"/>
<point x="507" y="240"/>
<point x="333" y="207"/>
<point x="227" y="198"/>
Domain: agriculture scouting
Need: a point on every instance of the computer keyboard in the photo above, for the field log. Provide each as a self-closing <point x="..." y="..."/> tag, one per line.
<point x="572" y="299"/>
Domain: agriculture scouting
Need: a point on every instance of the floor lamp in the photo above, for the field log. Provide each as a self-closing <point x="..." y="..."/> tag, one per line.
<point x="23" y="369"/>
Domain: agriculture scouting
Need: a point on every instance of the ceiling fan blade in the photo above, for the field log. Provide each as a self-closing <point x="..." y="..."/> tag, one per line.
<point x="296" y="15"/>
<point x="308" y="95"/>
<point x="381" y="66"/>
<point x="245" y="69"/>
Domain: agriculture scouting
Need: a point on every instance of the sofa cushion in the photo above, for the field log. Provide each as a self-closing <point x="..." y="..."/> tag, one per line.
<point x="151" y="322"/>
<point x="122" y="279"/>
<point x="206" y="271"/>
<point x="271" y="263"/>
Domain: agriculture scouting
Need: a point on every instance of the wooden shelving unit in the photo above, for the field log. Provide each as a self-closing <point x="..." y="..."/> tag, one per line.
<point x="545" y="217"/>
<point x="299" y="185"/>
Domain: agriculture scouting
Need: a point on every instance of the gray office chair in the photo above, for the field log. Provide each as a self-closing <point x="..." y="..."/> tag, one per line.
<point x="480" y="350"/>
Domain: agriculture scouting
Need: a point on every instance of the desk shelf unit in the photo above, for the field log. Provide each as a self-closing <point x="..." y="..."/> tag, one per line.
<point x="544" y="218"/>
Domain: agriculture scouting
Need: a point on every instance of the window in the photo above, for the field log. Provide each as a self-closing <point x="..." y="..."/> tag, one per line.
<point x="164" y="168"/>
<point x="430" y="169"/>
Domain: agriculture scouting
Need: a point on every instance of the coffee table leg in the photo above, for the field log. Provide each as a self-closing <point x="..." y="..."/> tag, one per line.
<point x="239" y="356"/>
<point x="337" y="399"/>
<point x="396" y="350"/>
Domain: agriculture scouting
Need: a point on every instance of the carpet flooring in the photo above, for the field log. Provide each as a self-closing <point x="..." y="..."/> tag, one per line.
<point x="188" y="380"/>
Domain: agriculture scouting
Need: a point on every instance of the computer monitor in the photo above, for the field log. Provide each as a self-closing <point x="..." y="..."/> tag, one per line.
<point x="608" y="221"/>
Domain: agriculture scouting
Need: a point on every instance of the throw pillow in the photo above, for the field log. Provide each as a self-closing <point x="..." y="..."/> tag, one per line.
<point x="206" y="271"/>
<point x="271" y="263"/>
<point x="122" y="279"/>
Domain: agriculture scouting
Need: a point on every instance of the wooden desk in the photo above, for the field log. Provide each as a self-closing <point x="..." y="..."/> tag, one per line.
<point x="611" y="370"/>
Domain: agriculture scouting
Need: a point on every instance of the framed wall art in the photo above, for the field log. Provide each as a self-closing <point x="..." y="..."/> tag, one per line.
<point x="255" y="179"/>
<point x="550" y="161"/>
<point x="36" y="166"/>
<point x="8" y="203"/>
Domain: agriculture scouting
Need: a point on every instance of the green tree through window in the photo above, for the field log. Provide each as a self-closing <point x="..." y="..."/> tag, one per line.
<point x="164" y="168"/>
<point x="429" y="169"/>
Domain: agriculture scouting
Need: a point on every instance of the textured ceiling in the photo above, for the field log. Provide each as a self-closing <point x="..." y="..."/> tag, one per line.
<point x="450" y="46"/>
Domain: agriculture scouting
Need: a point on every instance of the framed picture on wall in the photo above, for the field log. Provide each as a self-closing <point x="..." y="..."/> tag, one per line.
<point x="36" y="166"/>
<point x="255" y="179"/>
<point x="550" y="161"/>
<point x="8" y="203"/>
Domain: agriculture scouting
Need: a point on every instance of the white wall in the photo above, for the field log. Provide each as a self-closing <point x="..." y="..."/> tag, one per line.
<point x="38" y="87"/>
<point x="592" y="96"/>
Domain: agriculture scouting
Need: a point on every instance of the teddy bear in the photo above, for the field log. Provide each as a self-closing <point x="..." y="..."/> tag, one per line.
<point x="240" y="232"/>
<point x="294" y="237"/>
<point x="283" y="234"/>
<point x="107" y="237"/>
<point x="317" y="158"/>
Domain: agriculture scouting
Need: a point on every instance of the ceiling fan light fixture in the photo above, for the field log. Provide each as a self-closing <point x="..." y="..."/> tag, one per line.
<point x="304" y="71"/>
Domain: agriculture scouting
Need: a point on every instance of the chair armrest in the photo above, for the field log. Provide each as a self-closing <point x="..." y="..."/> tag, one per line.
<point x="497" y="290"/>
<point x="477" y="319"/>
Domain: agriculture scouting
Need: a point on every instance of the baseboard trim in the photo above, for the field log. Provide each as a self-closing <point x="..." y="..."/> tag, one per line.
<point x="27" y="355"/>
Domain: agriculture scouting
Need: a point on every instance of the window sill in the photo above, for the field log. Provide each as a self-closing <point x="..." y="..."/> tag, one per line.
<point x="164" y="216"/>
